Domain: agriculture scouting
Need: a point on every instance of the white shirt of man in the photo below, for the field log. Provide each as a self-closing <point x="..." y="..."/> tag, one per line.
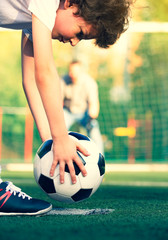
<point x="77" y="96"/>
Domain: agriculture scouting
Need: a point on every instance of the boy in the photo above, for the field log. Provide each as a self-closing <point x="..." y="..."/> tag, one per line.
<point x="67" y="21"/>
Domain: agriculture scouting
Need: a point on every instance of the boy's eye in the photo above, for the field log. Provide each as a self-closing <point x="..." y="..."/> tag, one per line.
<point x="80" y="35"/>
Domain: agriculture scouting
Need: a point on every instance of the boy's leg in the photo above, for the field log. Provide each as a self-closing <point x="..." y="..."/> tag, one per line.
<point x="15" y="202"/>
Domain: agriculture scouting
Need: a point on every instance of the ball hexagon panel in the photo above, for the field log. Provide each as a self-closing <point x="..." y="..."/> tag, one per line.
<point x="92" y="176"/>
<point x="92" y="149"/>
<point x="67" y="187"/>
<point x="46" y="184"/>
<point x="46" y="163"/>
<point x="101" y="164"/>
<point x="61" y="198"/>
<point x="45" y="148"/>
<point x="81" y="194"/>
<point x="79" y="136"/>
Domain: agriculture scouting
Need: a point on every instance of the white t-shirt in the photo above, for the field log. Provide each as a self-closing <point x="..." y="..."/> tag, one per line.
<point x="16" y="14"/>
<point x="77" y="96"/>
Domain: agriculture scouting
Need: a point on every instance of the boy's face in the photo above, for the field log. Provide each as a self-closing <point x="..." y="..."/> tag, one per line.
<point x="71" y="28"/>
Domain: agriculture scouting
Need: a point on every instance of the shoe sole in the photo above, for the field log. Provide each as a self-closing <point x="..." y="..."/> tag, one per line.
<point x="27" y="214"/>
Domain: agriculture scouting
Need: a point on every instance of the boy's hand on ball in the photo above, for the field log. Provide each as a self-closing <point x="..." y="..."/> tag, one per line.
<point x="65" y="152"/>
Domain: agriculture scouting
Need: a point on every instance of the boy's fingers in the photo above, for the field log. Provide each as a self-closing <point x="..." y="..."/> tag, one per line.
<point x="72" y="172"/>
<point x="53" y="166"/>
<point x="78" y="161"/>
<point x="80" y="165"/>
<point x="62" y="171"/>
<point x="82" y="149"/>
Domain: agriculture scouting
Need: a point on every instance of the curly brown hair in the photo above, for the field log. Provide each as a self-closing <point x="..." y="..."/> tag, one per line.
<point x="109" y="17"/>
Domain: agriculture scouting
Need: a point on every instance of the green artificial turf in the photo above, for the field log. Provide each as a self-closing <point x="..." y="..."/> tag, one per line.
<point x="141" y="212"/>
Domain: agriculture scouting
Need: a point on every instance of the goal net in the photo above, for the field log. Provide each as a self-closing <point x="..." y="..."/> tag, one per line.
<point x="134" y="108"/>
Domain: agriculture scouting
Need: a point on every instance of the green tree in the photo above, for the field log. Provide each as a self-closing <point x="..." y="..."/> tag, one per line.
<point x="155" y="10"/>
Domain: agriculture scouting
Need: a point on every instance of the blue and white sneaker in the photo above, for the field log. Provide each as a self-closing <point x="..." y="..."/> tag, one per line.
<point x="15" y="202"/>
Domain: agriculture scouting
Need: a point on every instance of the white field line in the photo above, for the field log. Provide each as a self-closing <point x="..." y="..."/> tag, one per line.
<point x="75" y="211"/>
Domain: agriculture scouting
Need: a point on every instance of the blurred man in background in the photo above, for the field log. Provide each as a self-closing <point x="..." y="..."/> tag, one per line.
<point x="81" y="102"/>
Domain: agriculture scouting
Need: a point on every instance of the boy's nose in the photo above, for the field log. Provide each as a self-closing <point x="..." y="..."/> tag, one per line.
<point x="74" y="41"/>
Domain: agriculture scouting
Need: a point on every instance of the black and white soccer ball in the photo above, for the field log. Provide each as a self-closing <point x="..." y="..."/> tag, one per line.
<point x="68" y="192"/>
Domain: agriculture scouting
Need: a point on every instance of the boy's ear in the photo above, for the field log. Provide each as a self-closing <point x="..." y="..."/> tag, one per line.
<point x="67" y="4"/>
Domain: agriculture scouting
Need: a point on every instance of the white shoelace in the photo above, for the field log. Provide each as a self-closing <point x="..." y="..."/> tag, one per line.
<point x="13" y="189"/>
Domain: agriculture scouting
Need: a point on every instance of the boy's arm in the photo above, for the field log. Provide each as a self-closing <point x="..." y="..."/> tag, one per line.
<point x="31" y="91"/>
<point x="48" y="85"/>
